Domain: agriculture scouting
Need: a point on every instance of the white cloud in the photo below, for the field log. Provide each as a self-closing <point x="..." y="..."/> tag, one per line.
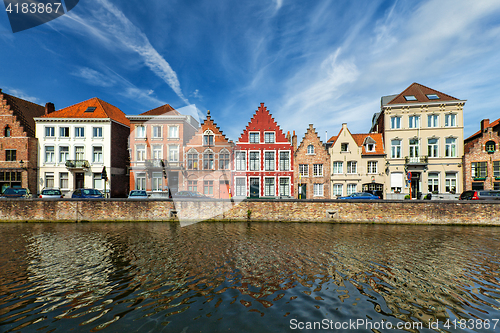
<point x="22" y="95"/>
<point x="93" y="77"/>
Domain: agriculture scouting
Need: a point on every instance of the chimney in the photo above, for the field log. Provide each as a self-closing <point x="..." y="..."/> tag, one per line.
<point x="288" y="137"/>
<point x="485" y="123"/>
<point x="294" y="141"/>
<point x="49" y="108"/>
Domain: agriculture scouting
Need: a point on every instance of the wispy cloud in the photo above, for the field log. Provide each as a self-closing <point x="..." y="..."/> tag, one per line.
<point x="21" y="94"/>
<point x="93" y="77"/>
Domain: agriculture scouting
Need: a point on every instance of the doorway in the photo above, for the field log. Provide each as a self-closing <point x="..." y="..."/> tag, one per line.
<point x="79" y="180"/>
<point x="224" y="189"/>
<point x="254" y="188"/>
<point x="173" y="182"/>
<point x="302" y="191"/>
<point x="415" y="185"/>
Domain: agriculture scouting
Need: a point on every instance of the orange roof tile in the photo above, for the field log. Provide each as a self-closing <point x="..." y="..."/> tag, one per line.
<point x="102" y="110"/>
<point x="360" y="139"/>
<point x="420" y="93"/>
<point x="161" y="110"/>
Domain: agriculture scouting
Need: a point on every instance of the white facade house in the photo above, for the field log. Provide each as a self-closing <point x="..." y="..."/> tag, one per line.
<point x="76" y="143"/>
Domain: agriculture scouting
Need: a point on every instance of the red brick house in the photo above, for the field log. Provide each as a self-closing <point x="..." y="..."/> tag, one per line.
<point x="481" y="159"/>
<point x="312" y="171"/>
<point x="156" y="145"/>
<point x="208" y="157"/>
<point x="18" y="145"/>
<point x="263" y="159"/>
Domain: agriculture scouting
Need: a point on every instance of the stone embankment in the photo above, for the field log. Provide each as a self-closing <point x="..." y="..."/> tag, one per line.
<point x="386" y="211"/>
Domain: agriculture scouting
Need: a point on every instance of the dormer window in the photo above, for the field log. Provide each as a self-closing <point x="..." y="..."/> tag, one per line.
<point x="310" y="150"/>
<point x="410" y="98"/>
<point x="370" y="147"/>
<point x="369" y="144"/>
<point x="208" y="138"/>
<point x="490" y="146"/>
<point x="344" y="147"/>
<point x="432" y="96"/>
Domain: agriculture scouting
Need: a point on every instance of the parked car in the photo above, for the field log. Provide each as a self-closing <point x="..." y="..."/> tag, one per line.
<point x="16" y="193"/>
<point x="51" y="193"/>
<point x="87" y="193"/>
<point x="361" y="196"/>
<point x="138" y="194"/>
<point x="480" y="195"/>
<point x="189" y="194"/>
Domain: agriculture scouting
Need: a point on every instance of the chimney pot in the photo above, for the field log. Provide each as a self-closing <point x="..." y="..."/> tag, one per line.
<point x="49" y="108"/>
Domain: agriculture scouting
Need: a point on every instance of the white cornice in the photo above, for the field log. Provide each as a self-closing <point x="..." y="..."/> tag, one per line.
<point x="412" y="105"/>
<point x="75" y="120"/>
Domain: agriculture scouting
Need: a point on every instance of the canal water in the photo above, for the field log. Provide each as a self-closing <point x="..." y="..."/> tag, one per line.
<point x="248" y="277"/>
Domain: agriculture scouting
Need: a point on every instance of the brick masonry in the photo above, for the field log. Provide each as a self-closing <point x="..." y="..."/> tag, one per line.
<point x="333" y="211"/>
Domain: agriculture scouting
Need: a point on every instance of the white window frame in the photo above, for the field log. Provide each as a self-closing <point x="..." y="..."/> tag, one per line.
<point x="286" y="187"/>
<point x="79" y="132"/>
<point x="338" y="166"/>
<point x="372" y="167"/>
<point x="450" y="149"/>
<point x="50" y="132"/>
<point x="240" y="158"/>
<point x="433" y="148"/>
<point x="352" y="167"/>
<point x="433" y="120"/>
<point x="173" y="132"/>
<point x="140" y="131"/>
<point x="251" y="136"/>
<point x="157" y="152"/>
<point x="396" y="149"/>
<point x="450" y="120"/>
<point x="156" y="181"/>
<point x="97" y="132"/>
<point x="66" y="154"/>
<point x="310" y="150"/>
<point x="336" y="191"/>
<point x="285" y="161"/>
<point x="269" y="135"/>
<point x="140" y="153"/>
<point x="318" y="190"/>
<point x="157" y="132"/>
<point x="254" y="165"/>
<point x="395" y="122"/>
<point x="433" y="182"/>
<point x="304" y="170"/>
<point x="140" y="181"/>
<point x="240" y="189"/>
<point x="451" y="182"/>
<point x="414" y="121"/>
<point x="173" y="153"/>
<point x="267" y="193"/>
<point x="351" y="188"/>
<point x="318" y="170"/>
<point x="96" y="157"/>
<point x="273" y="152"/>
<point x="50" y="155"/>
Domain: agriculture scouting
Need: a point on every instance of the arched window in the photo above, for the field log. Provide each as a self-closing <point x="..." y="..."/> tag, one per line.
<point x="208" y="138"/>
<point x="224" y="159"/>
<point x="310" y="149"/>
<point x="208" y="160"/>
<point x="192" y="158"/>
<point x="490" y="146"/>
<point x="7" y="131"/>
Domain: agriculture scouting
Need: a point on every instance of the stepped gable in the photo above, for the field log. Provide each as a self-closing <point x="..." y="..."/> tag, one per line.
<point x="102" y="110"/>
<point x="420" y="92"/>
<point x="208" y="124"/>
<point x="161" y="110"/>
<point x="471" y="140"/>
<point x="24" y="111"/>
<point x="263" y="120"/>
<point x="311" y="130"/>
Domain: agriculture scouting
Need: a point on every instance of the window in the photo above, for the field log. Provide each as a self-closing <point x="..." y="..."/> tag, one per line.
<point x="395" y="148"/>
<point x="157" y="152"/>
<point x="193" y="185"/>
<point x="208" y="160"/>
<point x="317" y="170"/>
<point x="140" y="132"/>
<point x="254" y="160"/>
<point x="224" y="160"/>
<point x="173" y="153"/>
<point x="50" y="132"/>
<point x="414" y="122"/>
<point x="157" y="182"/>
<point x="192" y="160"/>
<point x="97" y="153"/>
<point x="410" y="98"/>
<point x="269" y="187"/>
<point x="338" y="167"/>
<point x="351" y="188"/>
<point x="372" y="167"/>
<point x="370" y="147"/>
<point x="254" y="137"/>
<point x="432" y="96"/>
<point x="496" y="168"/>
<point x="140" y="153"/>
<point x="395" y="122"/>
<point x="7" y="132"/>
<point x="173" y="132"/>
<point x="269" y="137"/>
<point x="240" y="187"/>
<point x="479" y="169"/>
<point x="414" y="148"/>
<point x="490" y="146"/>
<point x="49" y="154"/>
<point x="496" y="186"/>
<point x="318" y="190"/>
<point x="432" y="147"/>
<point x="433" y="182"/>
<point x="450" y="120"/>
<point x="79" y="132"/>
<point x="241" y="163"/>
<point x="140" y="181"/>
<point x="450" y="148"/>
<point x="64" y="132"/>
<point x="344" y="147"/>
<point x="269" y="161"/>
<point x="10" y="155"/>
<point x="97" y="181"/>
<point x="310" y="150"/>
<point x="97" y="132"/>
<point x="433" y="120"/>
<point x="451" y="182"/>
<point x="396" y="182"/>
<point x="208" y="187"/>
<point x="284" y="186"/>
<point x="79" y="153"/>
<point x="284" y="161"/>
<point x="337" y="189"/>
<point x="351" y="167"/>
<point x="49" y="179"/>
<point x="63" y="180"/>
<point x="157" y="132"/>
<point x="304" y="170"/>
<point x="208" y="138"/>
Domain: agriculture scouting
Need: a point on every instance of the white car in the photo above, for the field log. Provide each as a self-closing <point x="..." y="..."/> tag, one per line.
<point x="51" y="193"/>
<point x="138" y="194"/>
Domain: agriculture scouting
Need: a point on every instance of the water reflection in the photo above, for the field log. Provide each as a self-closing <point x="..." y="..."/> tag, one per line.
<point x="242" y="276"/>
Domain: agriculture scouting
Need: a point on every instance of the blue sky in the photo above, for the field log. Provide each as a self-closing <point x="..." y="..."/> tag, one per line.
<point x="319" y="62"/>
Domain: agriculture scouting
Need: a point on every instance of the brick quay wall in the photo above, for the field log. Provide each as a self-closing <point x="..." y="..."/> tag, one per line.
<point x="386" y="211"/>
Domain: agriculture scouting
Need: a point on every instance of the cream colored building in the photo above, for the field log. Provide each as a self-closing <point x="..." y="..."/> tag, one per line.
<point x="357" y="163"/>
<point x="423" y="135"/>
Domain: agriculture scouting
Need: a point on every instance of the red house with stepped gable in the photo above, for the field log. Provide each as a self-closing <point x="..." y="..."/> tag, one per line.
<point x="263" y="163"/>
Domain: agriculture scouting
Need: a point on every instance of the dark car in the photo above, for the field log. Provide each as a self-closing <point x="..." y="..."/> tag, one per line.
<point x="188" y="194"/>
<point x="480" y="195"/>
<point x="361" y="196"/>
<point x="16" y="193"/>
<point x="87" y="193"/>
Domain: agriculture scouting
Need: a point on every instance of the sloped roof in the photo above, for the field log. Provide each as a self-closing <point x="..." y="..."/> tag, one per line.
<point x="102" y="110"/>
<point x="493" y="124"/>
<point x="420" y="92"/>
<point x="161" y="110"/>
<point x="360" y="139"/>
<point x="263" y="120"/>
<point x="24" y="111"/>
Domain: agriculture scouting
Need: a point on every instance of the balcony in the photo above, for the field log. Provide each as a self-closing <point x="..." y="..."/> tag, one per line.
<point x="161" y="164"/>
<point x="77" y="164"/>
<point x="419" y="160"/>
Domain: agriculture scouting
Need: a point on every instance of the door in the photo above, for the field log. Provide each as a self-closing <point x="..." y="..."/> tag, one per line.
<point x="173" y="182"/>
<point x="302" y="191"/>
<point x="254" y="188"/>
<point x="224" y="189"/>
<point x="415" y="185"/>
<point x="79" y="180"/>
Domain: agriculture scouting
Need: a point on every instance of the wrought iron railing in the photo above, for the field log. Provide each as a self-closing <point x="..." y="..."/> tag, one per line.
<point x="77" y="164"/>
<point x="416" y="160"/>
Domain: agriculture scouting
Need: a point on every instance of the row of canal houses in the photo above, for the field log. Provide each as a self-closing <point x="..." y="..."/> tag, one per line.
<point x="415" y="146"/>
